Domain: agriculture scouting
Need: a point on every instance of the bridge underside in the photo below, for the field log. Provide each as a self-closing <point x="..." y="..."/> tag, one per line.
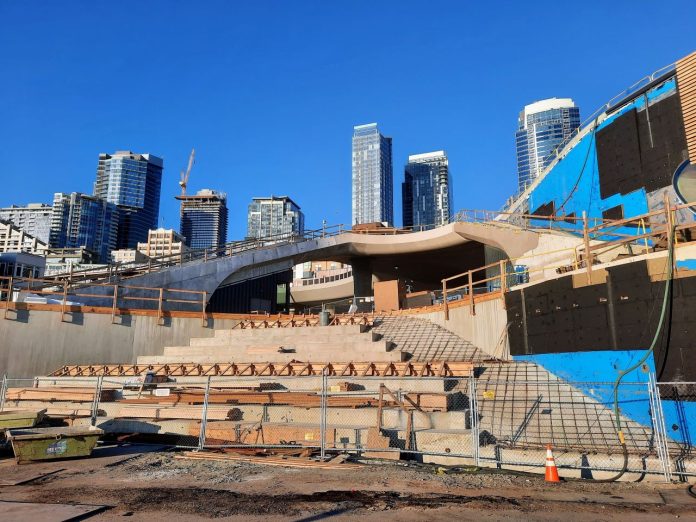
<point x="258" y="279"/>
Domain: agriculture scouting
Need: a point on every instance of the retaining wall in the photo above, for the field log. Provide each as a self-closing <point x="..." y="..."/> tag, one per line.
<point x="36" y="342"/>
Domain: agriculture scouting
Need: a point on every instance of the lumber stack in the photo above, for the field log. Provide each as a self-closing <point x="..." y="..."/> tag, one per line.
<point x="57" y="393"/>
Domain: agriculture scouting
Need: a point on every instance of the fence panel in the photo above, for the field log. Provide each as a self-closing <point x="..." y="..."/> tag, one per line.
<point x="518" y="419"/>
<point x="264" y="412"/>
<point x="678" y="401"/>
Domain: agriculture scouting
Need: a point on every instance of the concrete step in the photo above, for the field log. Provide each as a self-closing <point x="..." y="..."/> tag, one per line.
<point x="302" y="331"/>
<point x="276" y="337"/>
<point x="277" y="357"/>
<point x="346" y="348"/>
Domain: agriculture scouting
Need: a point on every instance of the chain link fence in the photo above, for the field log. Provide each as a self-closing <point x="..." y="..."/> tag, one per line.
<point x="475" y="421"/>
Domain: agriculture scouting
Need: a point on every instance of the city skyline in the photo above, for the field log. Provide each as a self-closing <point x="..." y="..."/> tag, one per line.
<point x="266" y="149"/>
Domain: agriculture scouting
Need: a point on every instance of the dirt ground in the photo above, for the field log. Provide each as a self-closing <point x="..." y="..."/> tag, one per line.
<point x="156" y="486"/>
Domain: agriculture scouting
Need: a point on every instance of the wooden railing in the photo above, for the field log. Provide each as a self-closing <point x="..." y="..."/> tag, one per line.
<point x="114" y="294"/>
<point x="652" y="232"/>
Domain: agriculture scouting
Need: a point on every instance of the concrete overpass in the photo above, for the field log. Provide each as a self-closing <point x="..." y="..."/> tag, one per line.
<point x="423" y="258"/>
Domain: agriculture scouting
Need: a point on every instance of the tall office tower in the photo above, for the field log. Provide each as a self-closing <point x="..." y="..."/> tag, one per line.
<point x="274" y="216"/>
<point x="373" y="178"/>
<point x="542" y="127"/>
<point x="79" y="220"/>
<point x="204" y="219"/>
<point x="427" y="190"/>
<point x="132" y="182"/>
<point x="34" y="219"/>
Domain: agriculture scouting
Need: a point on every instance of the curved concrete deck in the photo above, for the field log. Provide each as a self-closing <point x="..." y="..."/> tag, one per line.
<point x="348" y="248"/>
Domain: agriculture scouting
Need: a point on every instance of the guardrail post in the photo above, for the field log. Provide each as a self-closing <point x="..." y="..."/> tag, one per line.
<point x="472" y="305"/>
<point x="588" y="254"/>
<point x="204" y="416"/>
<point x="114" y="304"/>
<point x="444" y="300"/>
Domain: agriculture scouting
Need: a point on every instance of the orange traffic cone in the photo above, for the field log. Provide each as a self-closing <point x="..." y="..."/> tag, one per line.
<point x="551" y="469"/>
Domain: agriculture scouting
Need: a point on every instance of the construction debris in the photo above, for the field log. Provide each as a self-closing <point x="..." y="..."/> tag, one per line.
<point x="289" y="462"/>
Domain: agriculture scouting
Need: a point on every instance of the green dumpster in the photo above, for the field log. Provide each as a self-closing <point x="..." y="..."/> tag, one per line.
<point x="52" y="443"/>
<point x="20" y="418"/>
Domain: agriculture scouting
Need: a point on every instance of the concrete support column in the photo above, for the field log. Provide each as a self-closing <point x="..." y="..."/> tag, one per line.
<point x="362" y="276"/>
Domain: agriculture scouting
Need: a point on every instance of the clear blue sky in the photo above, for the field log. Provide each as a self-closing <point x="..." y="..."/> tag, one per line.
<point x="268" y="92"/>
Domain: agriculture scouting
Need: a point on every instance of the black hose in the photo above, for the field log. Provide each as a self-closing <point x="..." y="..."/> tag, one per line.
<point x="690" y="490"/>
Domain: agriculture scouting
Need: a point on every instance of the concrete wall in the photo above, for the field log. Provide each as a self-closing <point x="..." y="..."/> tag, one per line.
<point x="37" y="342"/>
<point x="487" y="329"/>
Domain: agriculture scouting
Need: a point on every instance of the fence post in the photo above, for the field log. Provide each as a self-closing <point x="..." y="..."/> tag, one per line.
<point x="96" y="400"/>
<point x="659" y="429"/>
<point x="204" y="417"/>
<point x="3" y="392"/>
<point x="474" y="421"/>
<point x="324" y="403"/>
<point x="444" y="299"/>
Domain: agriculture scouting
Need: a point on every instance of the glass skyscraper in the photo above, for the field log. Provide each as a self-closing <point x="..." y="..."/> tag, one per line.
<point x="79" y="220"/>
<point x="373" y="178"/>
<point x="204" y="219"/>
<point x="274" y="216"/>
<point x="132" y="182"/>
<point x="542" y="127"/>
<point x="427" y="190"/>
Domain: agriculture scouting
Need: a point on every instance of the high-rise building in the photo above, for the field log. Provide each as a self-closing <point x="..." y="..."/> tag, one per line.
<point x="204" y="219"/>
<point x="542" y="127"/>
<point x="34" y="219"/>
<point x="132" y="182"/>
<point x="162" y="242"/>
<point x="15" y="239"/>
<point x="427" y="190"/>
<point x="373" y="178"/>
<point x="277" y="216"/>
<point x="79" y="220"/>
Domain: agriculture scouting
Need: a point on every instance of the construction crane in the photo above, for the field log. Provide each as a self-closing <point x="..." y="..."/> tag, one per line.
<point x="185" y="175"/>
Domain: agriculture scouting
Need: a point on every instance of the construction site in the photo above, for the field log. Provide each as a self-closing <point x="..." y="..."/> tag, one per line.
<point x="534" y="360"/>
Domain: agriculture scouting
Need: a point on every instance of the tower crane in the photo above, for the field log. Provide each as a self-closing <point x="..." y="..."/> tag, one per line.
<point x="185" y="175"/>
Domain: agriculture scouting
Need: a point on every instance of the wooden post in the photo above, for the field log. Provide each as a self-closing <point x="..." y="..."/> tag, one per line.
<point x="588" y="254"/>
<point x="9" y="295"/>
<point x="503" y="281"/>
<point x="114" y="305"/>
<point x="472" y="306"/>
<point x="203" y="302"/>
<point x="669" y="225"/>
<point x="159" y="307"/>
<point x="444" y="300"/>
<point x="62" y="306"/>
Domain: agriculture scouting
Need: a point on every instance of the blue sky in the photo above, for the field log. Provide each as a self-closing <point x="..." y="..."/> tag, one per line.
<point x="268" y="92"/>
